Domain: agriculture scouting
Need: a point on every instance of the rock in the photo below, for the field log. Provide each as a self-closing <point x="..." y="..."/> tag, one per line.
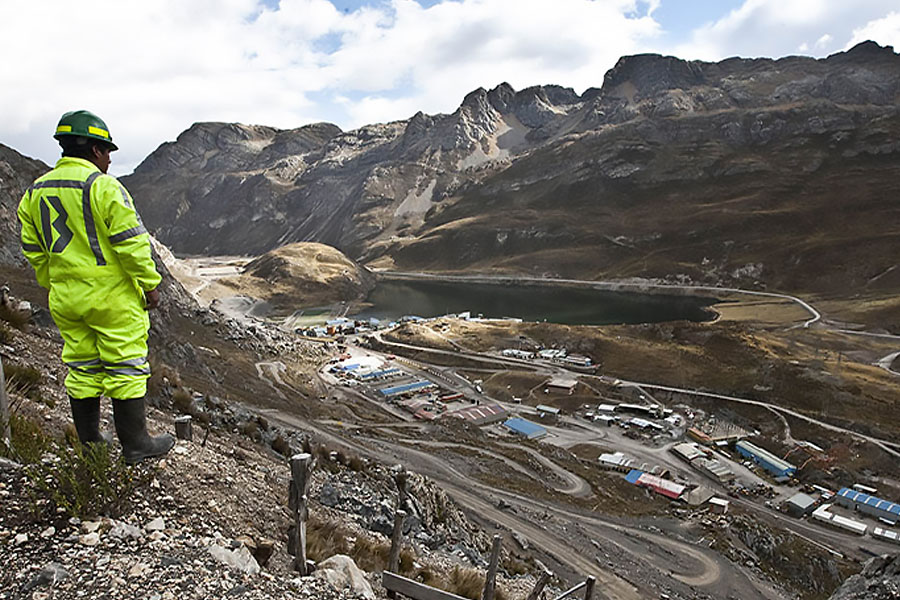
<point x="49" y="532"/>
<point x="138" y="570"/>
<point x="156" y="524"/>
<point x="341" y="572"/>
<point x="121" y="530"/>
<point x="879" y="580"/>
<point x="90" y="539"/>
<point x="90" y="526"/>
<point x="264" y="550"/>
<point x="51" y="574"/>
<point x="240" y="559"/>
<point x="21" y="538"/>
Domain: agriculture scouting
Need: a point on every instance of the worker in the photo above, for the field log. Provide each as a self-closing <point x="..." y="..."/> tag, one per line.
<point x="85" y="240"/>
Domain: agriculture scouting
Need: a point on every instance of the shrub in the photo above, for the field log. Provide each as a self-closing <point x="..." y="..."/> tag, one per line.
<point x="183" y="401"/>
<point x="324" y="539"/>
<point x="469" y="583"/>
<point x="6" y="335"/>
<point x="84" y="481"/>
<point x="21" y="380"/>
<point x="16" y="318"/>
<point x="29" y="442"/>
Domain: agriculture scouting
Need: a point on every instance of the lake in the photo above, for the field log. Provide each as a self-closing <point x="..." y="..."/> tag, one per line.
<point x="390" y="300"/>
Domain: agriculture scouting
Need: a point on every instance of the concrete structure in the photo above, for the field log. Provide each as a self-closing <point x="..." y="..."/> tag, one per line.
<point x="765" y="459"/>
<point x="870" y="505"/>
<point x="667" y="488"/>
<point x="714" y="468"/>
<point x="525" y="428"/>
<point x="688" y="451"/>
<point x="800" y="504"/>
<point x="607" y="420"/>
<point x="483" y="414"/>
<point x="718" y="506"/>
<point x="616" y="461"/>
<point x="607" y="408"/>
<point x="563" y="383"/>
<point x="823" y="515"/>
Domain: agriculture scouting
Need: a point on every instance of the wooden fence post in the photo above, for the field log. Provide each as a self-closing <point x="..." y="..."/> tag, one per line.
<point x="490" y="579"/>
<point x="298" y="502"/>
<point x="183" y="428"/>
<point x="5" y="431"/>
<point x="401" y="478"/>
<point x="589" y="588"/>
<point x="394" y="557"/>
<point x="540" y="585"/>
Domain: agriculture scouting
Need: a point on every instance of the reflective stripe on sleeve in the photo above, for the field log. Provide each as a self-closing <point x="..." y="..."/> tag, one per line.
<point x="127" y="234"/>
<point x="89" y="225"/>
<point x="58" y="183"/>
<point x="32" y="248"/>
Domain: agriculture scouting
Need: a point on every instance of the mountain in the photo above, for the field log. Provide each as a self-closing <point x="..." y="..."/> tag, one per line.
<point x="760" y="172"/>
<point x="17" y="172"/>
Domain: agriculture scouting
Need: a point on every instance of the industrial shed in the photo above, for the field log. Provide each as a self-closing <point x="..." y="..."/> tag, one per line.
<point x="667" y="488"/>
<point x="823" y="515"/>
<point x="525" y="428"/>
<point x="403" y="389"/>
<point x="482" y="414"/>
<point x="765" y="459"/>
<point x="800" y="504"/>
<point x="864" y="503"/>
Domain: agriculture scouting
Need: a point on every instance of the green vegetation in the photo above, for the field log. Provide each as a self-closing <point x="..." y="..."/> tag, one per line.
<point x="80" y="480"/>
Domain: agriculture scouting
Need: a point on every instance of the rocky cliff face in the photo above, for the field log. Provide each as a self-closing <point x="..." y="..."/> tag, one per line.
<point x="16" y="174"/>
<point x="879" y="580"/>
<point x="752" y="172"/>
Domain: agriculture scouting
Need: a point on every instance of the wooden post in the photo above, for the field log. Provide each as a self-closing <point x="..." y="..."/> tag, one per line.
<point x="183" y="428"/>
<point x="5" y="431"/>
<point x="540" y="585"/>
<point x="490" y="579"/>
<point x="300" y="468"/>
<point x="394" y="557"/>
<point x="401" y="478"/>
<point x="589" y="588"/>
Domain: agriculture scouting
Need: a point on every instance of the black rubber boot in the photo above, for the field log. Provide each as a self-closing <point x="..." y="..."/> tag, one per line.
<point x="131" y="427"/>
<point x="86" y="416"/>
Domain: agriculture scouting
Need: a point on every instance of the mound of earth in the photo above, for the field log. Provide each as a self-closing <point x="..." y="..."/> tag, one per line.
<point x="302" y="274"/>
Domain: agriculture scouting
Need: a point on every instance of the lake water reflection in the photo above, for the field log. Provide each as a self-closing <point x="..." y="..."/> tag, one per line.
<point x="558" y="304"/>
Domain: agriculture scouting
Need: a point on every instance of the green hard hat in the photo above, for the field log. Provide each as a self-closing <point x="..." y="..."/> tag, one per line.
<point x="84" y="123"/>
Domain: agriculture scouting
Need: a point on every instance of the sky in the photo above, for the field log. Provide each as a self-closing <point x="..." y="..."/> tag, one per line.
<point x="151" y="68"/>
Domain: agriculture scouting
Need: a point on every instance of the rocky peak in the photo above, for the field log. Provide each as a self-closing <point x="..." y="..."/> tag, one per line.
<point x="644" y="75"/>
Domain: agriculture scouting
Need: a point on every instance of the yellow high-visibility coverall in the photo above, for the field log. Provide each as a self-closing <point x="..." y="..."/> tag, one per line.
<point x="86" y="242"/>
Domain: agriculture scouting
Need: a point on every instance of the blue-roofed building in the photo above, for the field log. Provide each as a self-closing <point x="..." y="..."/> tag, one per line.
<point x="871" y="505"/>
<point x="382" y="374"/>
<point x="525" y="428"/>
<point x="407" y="387"/>
<point x="765" y="459"/>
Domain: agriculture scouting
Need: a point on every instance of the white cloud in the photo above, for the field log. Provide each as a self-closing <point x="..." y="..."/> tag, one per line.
<point x="776" y="28"/>
<point x="885" y="30"/>
<point x="150" y="69"/>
